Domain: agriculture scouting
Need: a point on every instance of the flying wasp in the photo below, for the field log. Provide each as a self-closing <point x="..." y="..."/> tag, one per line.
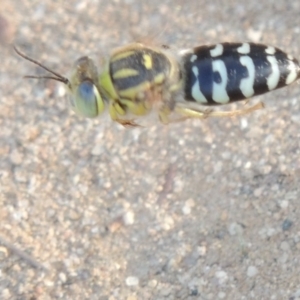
<point x="137" y="80"/>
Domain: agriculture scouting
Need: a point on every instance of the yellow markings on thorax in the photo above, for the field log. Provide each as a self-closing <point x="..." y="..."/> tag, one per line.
<point x="132" y="92"/>
<point x="135" y="91"/>
<point x="147" y="61"/>
<point x="159" y="79"/>
<point x="124" y="73"/>
<point x="138" y="79"/>
<point x="122" y="55"/>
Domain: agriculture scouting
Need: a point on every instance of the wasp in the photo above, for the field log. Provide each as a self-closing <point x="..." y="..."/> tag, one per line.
<point x="138" y="79"/>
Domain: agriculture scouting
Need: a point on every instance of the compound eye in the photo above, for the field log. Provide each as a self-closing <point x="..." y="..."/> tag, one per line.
<point x="86" y="100"/>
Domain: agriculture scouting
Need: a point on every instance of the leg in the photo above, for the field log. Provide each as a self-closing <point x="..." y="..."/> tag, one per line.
<point x="193" y="113"/>
<point x="115" y="110"/>
<point x="127" y="123"/>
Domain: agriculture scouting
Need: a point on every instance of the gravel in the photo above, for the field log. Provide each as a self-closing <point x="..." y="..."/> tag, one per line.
<point x="197" y="210"/>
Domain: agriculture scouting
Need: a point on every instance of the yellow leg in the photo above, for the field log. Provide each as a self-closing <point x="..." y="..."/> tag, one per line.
<point x="193" y="113"/>
<point x="164" y="114"/>
<point x="115" y="110"/>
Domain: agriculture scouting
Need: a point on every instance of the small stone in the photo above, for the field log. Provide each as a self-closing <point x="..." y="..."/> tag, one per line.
<point x="152" y="283"/>
<point x="186" y="210"/>
<point x="16" y="157"/>
<point x="226" y="155"/>
<point x="248" y="165"/>
<point x="61" y="91"/>
<point x="297" y="294"/>
<point x="168" y="223"/>
<point x="20" y="175"/>
<point x="252" y="271"/>
<point x="194" y="291"/>
<point x="188" y="205"/>
<point x="235" y="229"/>
<point x="48" y="283"/>
<point x="218" y="166"/>
<point x="244" y="123"/>
<point x="267" y="169"/>
<point x="286" y="225"/>
<point x="97" y="150"/>
<point x="128" y="218"/>
<point x="296" y="118"/>
<point x="202" y="250"/>
<point x="254" y="35"/>
<point x="284" y="204"/>
<point x="221" y="295"/>
<point x="166" y="292"/>
<point x="3" y="252"/>
<point x="257" y="192"/>
<point x="271" y="231"/>
<point x="285" y="246"/>
<point x="62" y="277"/>
<point x="6" y="294"/>
<point x="132" y="281"/>
<point x="222" y="276"/>
<point x="283" y="258"/>
<point x="20" y="289"/>
<point x="116" y="224"/>
<point x="76" y="179"/>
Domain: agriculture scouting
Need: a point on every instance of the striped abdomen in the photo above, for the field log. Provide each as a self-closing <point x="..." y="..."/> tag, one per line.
<point x="229" y="72"/>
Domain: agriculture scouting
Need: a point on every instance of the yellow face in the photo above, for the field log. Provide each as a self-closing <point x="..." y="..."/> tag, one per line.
<point x="85" y="98"/>
<point x="82" y="86"/>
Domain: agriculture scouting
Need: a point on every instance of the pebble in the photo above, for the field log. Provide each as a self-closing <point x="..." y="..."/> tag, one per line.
<point x="168" y="223"/>
<point x="296" y="118"/>
<point x="49" y="283"/>
<point x="16" y="157"/>
<point x="221" y="295"/>
<point x="248" y="165"/>
<point x="235" y="229"/>
<point x="6" y="294"/>
<point x="186" y="210"/>
<point x="132" y="281"/>
<point x="252" y="271"/>
<point x="254" y="35"/>
<point x="3" y="252"/>
<point x="221" y="276"/>
<point x="244" y="123"/>
<point x="62" y="277"/>
<point x="128" y="218"/>
<point x="97" y="150"/>
<point x="202" y="250"/>
<point x="284" y="204"/>
<point x="285" y="246"/>
<point x="286" y="225"/>
<point x="152" y="283"/>
<point x="258" y="192"/>
<point x="284" y="258"/>
<point x="271" y="231"/>
<point x="297" y="294"/>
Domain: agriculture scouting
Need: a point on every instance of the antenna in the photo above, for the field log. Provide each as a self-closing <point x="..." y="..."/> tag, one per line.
<point x="57" y="76"/>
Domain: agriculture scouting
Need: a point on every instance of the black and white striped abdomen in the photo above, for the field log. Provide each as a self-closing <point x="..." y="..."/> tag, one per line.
<point x="227" y="72"/>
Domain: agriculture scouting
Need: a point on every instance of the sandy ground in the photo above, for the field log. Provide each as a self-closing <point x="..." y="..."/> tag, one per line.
<point x="196" y="210"/>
